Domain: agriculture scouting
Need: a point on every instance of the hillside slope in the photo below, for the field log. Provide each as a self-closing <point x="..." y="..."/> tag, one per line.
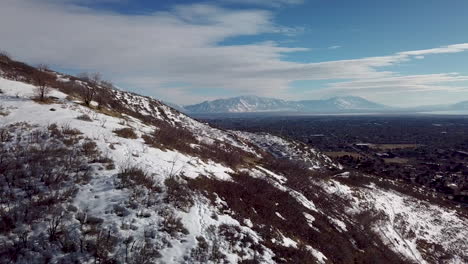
<point x="130" y="180"/>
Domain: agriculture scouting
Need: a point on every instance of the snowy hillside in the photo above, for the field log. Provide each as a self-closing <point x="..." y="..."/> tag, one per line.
<point x="261" y="104"/>
<point x="127" y="179"/>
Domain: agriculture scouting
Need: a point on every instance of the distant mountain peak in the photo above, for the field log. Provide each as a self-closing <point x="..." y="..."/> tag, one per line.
<point x="252" y="103"/>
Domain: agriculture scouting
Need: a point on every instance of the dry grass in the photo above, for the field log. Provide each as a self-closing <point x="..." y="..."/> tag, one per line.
<point x="126" y="132"/>
<point x="394" y="146"/>
<point x="396" y="160"/>
<point x="3" y="111"/>
<point x="84" y="117"/>
<point x="338" y="154"/>
<point x="46" y="100"/>
<point x="109" y="112"/>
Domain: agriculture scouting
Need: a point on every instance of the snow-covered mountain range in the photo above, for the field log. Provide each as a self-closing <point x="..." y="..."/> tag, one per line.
<point x="344" y="104"/>
<point x="245" y="104"/>
<point x="92" y="174"/>
<point x="460" y="106"/>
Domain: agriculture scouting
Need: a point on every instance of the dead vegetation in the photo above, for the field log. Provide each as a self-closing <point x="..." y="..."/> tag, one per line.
<point x="126" y="132"/>
<point x="37" y="180"/>
<point x="178" y="194"/>
<point x="250" y="198"/>
<point x="132" y="176"/>
<point x="84" y="117"/>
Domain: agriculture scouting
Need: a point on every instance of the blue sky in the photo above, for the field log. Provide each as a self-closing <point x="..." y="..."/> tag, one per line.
<point x="400" y="53"/>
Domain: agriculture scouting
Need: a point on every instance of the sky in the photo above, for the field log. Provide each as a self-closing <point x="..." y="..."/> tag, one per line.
<point x="399" y="52"/>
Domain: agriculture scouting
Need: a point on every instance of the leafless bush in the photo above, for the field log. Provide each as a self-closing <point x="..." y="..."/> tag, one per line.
<point x="90" y="149"/>
<point x="4" y="56"/>
<point x="87" y="94"/>
<point x="201" y="253"/>
<point x="5" y="135"/>
<point x="84" y="117"/>
<point x="171" y="137"/>
<point x="107" y="84"/>
<point x="68" y="130"/>
<point x="126" y="132"/>
<point x="94" y="78"/>
<point x="39" y="175"/>
<point x="131" y="176"/>
<point x="145" y="254"/>
<point x="172" y="224"/>
<point x="41" y="77"/>
<point x="3" y="111"/>
<point x="178" y="194"/>
<point x="54" y="224"/>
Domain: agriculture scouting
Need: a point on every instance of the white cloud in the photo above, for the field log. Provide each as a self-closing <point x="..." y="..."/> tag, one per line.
<point x="446" y="49"/>
<point x="146" y="53"/>
<point x="424" y="82"/>
<point x="334" y="47"/>
<point x="272" y="3"/>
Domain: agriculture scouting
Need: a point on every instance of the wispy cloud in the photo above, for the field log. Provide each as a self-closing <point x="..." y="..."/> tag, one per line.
<point x="334" y="47"/>
<point x="271" y="3"/>
<point x="441" y="50"/>
<point x="423" y="82"/>
<point x="147" y="53"/>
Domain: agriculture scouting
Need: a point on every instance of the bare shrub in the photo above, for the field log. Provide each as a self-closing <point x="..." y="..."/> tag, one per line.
<point x="178" y="194"/>
<point x="68" y="130"/>
<point x="5" y="135"/>
<point x="89" y="90"/>
<point x="201" y="253"/>
<point x="41" y="77"/>
<point x="126" y="132"/>
<point x="84" y="117"/>
<point x="3" y="111"/>
<point x="39" y="175"/>
<point x="131" y="176"/>
<point x="87" y="94"/>
<point x="4" y="56"/>
<point x="90" y="148"/>
<point x="171" y="137"/>
<point x="172" y="224"/>
<point x="103" y="247"/>
<point x="145" y="254"/>
<point x="107" y="84"/>
<point x="94" y="78"/>
<point x="54" y="224"/>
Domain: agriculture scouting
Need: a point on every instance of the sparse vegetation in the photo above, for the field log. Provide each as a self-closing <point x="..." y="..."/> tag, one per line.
<point x="171" y="137"/>
<point x="172" y="224"/>
<point x="41" y="78"/>
<point x="4" y="56"/>
<point x="89" y="91"/>
<point x="132" y="176"/>
<point x="84" y="117"/>
<point x="126" y="132"/>
<point x="37" y="180"/>
<point x="3" y="111"/>
<point x="178" y="194"/>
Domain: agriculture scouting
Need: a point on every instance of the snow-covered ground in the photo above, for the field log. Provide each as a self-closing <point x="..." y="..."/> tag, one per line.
<point x="413" y="228"/>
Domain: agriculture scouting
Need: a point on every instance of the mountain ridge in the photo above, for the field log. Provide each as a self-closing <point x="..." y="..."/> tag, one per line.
<point x="243" y="104"/>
